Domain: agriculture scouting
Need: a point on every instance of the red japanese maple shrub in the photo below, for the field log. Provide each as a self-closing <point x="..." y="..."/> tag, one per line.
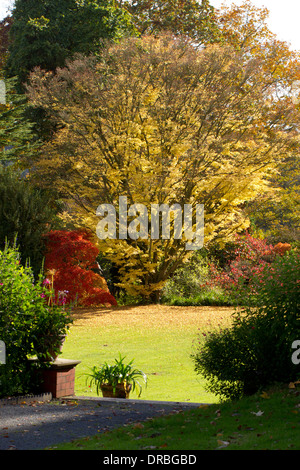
<point x="70" y="262"/>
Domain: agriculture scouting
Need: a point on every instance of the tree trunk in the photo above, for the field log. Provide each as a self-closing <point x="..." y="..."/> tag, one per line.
<point x="155" y="297"/>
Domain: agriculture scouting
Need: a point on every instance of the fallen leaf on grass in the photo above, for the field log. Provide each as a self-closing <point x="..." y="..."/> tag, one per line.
<point x="138" y="426"/>
<point x="258" y="413"/>
<point x="223" y="444"/>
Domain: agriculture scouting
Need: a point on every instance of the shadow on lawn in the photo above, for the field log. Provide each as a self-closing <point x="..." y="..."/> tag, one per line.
<point x="157" y="312"/>
<point x="87" y="312"/>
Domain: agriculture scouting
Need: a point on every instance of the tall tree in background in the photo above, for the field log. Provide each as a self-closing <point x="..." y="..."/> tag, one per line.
<point x="5" y="26"/>
<point x="26" y="214"/>
<point x="245" y="29"/>
<point x="46" y="32"/>
<point x="274" y="215"/>
<point x="181" y="17"/>
<point x="16" y="131"/>
<point x="159" y="121"/>
<point x="16" y="136"/>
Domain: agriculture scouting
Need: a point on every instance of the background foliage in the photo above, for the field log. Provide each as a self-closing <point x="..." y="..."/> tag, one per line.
<point x="143" y="111"/>
<point x="141" y="87"/>
<point x="26" y="214"/>
<point x="46" y="32"/>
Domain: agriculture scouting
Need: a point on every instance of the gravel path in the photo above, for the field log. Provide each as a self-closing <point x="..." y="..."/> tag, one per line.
<point x="38" y="424"/>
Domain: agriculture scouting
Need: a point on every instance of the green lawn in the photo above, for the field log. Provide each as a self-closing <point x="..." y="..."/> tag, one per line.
<point x="159" y="338"/>
<point x="265" y="421"/>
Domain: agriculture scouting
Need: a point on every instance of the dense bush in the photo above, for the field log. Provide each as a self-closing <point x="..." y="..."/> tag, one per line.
<point x="187" y="280"/>
<point x="26" y="321"/>
<point x="71" y="267"/>
<point x="221" y="276"/>
<point x="188" y="285"/>
<point x="256" y="351"/>
<point x="210" y="297"/>
<point x="249" y="258"/>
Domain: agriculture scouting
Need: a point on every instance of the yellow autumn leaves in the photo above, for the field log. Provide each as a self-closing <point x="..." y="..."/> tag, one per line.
<point x="161" y="122"/>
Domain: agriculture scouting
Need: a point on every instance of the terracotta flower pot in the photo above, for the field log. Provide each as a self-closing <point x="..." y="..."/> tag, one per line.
<point x="122" y="390"/>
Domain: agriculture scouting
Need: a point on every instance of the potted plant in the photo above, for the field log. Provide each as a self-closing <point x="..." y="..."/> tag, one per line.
<point x="50" y="330"/>
<point x="117" y="380"/>
<point x="51" y="322"/>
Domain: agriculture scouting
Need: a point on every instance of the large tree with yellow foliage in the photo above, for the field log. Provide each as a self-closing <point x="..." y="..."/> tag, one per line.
<point x="159" y="120"/>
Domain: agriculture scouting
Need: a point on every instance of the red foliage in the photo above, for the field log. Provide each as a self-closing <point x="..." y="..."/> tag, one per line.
<point x="251" y="256"/>
<point x="282" y="248"/>
<point x="70" y="260"/>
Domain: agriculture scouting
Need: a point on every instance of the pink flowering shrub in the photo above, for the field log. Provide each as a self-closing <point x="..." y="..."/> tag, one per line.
<point x="251" y="256"/>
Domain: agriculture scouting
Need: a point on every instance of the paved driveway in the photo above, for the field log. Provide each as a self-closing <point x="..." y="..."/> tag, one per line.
<point x="38" y="424"/>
